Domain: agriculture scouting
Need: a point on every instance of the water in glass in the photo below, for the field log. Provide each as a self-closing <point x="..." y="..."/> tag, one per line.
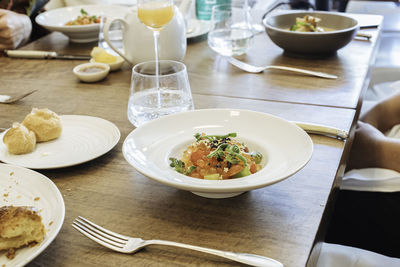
<point x="148" y="101"/>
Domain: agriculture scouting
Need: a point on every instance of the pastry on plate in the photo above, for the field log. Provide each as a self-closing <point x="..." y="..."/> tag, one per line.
<point x="19" y="226"/>
<point x="45" y="123"/>
<point x="19" y="139"/>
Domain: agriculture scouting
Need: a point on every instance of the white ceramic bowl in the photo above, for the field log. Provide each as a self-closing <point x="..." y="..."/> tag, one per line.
<point x="54" y="20"/>
<point x="83" y="72"/>
<point x="286" y="148"/>
<point x="113" y="66"/>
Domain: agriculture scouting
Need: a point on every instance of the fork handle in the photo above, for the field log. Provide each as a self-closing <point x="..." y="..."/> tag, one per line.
<point x="309" y="72"/>
<point x="250" y="259"/>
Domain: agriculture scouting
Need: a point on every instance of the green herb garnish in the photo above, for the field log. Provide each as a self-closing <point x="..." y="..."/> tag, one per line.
<point x="83" y="12"/>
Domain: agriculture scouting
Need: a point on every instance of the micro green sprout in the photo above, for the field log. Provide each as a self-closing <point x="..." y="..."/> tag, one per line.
<point x="213" y="137"/>
<point x="83" y="12"/>
<point x="230" y="152"/>
<point x="179" y="165"/>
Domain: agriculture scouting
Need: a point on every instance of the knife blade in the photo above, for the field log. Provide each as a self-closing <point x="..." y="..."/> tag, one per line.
<point x="323" y="130"/>
<point x="33" y="54"/>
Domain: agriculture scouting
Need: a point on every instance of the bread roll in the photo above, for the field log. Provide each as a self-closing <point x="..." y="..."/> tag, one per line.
<point x="19" y="140"/>
<point x="20" y="226"/>
<point x="45" y="123"/>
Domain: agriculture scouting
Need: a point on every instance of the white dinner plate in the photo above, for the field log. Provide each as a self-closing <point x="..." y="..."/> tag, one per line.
<point x="286" y="148"/>
<point x="197" y="28"/>
<point x="55" y="19"/>
<point x="24" y="187"/>
<point x="82" y="139"/>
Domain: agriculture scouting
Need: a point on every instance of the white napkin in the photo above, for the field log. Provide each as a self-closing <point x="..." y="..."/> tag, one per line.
<point x="333" y="255"/>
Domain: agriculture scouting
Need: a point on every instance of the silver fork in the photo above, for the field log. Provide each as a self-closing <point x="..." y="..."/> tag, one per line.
<point x="8" y="99"/>
<point x="126" y="244"/>
<point x="255" y="69"/>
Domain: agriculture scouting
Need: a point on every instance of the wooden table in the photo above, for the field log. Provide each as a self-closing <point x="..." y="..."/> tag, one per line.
<point x="282" y="221"/>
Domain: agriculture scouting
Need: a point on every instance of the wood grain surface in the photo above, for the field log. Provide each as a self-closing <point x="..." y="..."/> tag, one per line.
<point x="281" y="221"/>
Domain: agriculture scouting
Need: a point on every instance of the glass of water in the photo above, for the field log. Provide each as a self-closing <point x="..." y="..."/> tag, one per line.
<point x="147" y="102"/>
<point x="231" y="31"/>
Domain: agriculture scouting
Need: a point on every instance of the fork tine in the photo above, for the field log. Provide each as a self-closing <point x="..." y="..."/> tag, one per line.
<point x="103" y="236"/>
<point x="111" y="233"/>
<point x="89" y="235"/>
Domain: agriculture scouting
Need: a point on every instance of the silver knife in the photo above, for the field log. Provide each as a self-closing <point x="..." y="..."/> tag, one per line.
<point x="42" y="54"/>
<point x="323" y="130"/>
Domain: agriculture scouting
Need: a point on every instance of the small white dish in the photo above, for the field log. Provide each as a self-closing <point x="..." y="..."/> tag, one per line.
<point x="24" y="187"/>
<point x="54" y="20"/>
<point x="286" y="148"/>
<point x="83" y="138"/>
<point x="197" y="28"/>
<point x="91" y="72"/>
<point x="113" y="66"/>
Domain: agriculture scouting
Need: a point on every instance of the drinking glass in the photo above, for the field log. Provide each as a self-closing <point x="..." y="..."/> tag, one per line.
<point x="147" y="101"/>
<point x="231" y="32"/>
<point x="155" y="14"/>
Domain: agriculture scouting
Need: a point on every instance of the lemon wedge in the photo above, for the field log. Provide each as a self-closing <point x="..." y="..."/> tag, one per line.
<point x="101" y="55"/>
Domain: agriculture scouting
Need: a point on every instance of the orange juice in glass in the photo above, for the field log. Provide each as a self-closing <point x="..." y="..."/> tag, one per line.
<point x="155" y="15"/>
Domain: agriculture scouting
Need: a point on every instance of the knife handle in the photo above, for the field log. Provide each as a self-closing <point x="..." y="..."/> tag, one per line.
<point x="322" y="129"/>
<point x="30" y="54"/>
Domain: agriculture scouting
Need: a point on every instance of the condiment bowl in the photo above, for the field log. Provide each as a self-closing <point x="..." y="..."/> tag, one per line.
<point x="341" y="30"/>
<point x="113" y="66"/>
<point x="91" y="72"/>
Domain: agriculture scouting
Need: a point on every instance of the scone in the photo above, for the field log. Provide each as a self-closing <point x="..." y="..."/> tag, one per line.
<point x="19" y="140"/>
<point x="19" y="226"/>
<point x="45" y="123"/>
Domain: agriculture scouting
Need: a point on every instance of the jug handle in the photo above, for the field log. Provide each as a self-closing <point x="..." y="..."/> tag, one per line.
<point x="106" y="30"/>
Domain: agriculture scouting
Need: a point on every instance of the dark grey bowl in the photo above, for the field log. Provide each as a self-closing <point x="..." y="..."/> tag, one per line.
<point x="344" y="30"/>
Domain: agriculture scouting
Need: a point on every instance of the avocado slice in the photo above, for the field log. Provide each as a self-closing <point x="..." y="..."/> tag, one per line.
<point x="244" y="172"/>
<point x="214" y="176"/>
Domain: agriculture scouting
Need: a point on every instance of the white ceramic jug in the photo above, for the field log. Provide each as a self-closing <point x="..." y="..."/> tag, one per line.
<point x="139" y="42"/>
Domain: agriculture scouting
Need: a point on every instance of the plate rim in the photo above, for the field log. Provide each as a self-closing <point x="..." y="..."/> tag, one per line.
<point x="206" y="187"/>
<point x="45" y="243"/>
<point x="71" y="164"/>
<point x="201" y="22"/>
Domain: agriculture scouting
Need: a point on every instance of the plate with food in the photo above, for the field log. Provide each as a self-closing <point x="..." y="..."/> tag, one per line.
<point x="218" y="153"/>
<point x="311" y="32"/>
<point x="31" y="214"/>
<point x="45" y="140"/>
<point x="80" y="23"/>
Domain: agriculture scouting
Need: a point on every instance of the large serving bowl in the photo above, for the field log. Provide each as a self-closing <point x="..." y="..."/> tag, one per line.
<point x="343" y="30"/>
<point x="285" y="147"/>
<point x="54" y="20"/>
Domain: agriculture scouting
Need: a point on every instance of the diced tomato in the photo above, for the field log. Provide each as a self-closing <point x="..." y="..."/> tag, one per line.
<point x="253" y="167"/>
<point x="234" y="169"/>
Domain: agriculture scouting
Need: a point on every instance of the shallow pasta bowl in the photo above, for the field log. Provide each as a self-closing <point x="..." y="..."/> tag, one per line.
<point x="340" y="30"/>
<point x="54" y="20"/>
<point x="286" y="148"/>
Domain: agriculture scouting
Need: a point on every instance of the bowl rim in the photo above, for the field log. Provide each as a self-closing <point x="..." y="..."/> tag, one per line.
<point x="267" y="25"/>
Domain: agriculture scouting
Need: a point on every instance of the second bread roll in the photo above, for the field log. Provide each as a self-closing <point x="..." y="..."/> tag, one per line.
<point x="45" y="123"/>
